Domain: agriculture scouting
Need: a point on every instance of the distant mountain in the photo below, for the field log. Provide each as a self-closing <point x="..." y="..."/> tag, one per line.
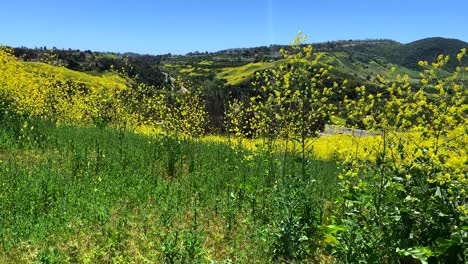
<point x="428" y="49"/>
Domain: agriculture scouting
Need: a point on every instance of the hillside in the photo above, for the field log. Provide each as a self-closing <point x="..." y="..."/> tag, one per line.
<point x="64" y="95"/>
<point x="428" y="49"/>
<point x="346" y="66"/>
<point x="359" y="61"/>
<point x="406" y="55"/>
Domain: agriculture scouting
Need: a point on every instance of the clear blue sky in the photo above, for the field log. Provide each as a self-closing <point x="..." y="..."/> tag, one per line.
<point x="179" y="26"/>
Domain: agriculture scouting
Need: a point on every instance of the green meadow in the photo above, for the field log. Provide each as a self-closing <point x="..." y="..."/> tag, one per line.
<point x="90" y="195"/>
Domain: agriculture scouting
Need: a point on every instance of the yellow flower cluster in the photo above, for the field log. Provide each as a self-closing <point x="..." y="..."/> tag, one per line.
<point x="47" y="91"/>
<point x="424" y="129"/>
<point x="64" y="96"/>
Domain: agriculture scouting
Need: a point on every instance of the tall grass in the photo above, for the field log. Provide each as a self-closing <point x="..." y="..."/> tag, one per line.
<point x="85" y="194"/>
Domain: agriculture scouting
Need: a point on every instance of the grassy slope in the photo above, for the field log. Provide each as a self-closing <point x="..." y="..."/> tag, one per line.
<point x="48" y="91"/>
<point x="238" y="75"/>
<point x="361" y="71"/>
<point x="90" y="80"/>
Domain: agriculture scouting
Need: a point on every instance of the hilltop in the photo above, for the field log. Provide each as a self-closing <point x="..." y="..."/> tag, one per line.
<point x="428" y="49"/>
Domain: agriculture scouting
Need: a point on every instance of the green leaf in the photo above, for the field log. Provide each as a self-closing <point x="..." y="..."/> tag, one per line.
<point x="419" y="253"/>
<point x="331" y="239"/>
<point x="443" y="245"/>
<point x="333" y="229"/>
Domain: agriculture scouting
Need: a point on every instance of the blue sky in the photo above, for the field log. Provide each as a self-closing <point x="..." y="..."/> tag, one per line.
<point x="178" y="26"/>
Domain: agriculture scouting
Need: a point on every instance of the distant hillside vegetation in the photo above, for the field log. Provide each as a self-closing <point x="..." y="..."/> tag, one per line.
<point x="389" y="51"/>
<point x="428" y="49"/>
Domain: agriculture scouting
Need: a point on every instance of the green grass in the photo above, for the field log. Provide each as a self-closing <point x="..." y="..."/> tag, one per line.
<point x="238" y="75"/>
<point x="205" y="63"/>
<point x="195" y="71"/>
<point x="83" y="194"/>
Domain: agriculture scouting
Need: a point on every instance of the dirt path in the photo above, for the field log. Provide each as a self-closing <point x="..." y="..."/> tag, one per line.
<point x="333" y="130"/>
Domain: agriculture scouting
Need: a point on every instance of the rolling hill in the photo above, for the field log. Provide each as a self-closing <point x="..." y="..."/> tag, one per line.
<point x="43" y="90"/>
<point x="428" y="49"/>
<point x="358" y="61"/>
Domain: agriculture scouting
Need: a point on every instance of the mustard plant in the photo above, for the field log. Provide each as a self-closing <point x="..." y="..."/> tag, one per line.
<point x="292" y="104"/>
<point x="406" y="197"/>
